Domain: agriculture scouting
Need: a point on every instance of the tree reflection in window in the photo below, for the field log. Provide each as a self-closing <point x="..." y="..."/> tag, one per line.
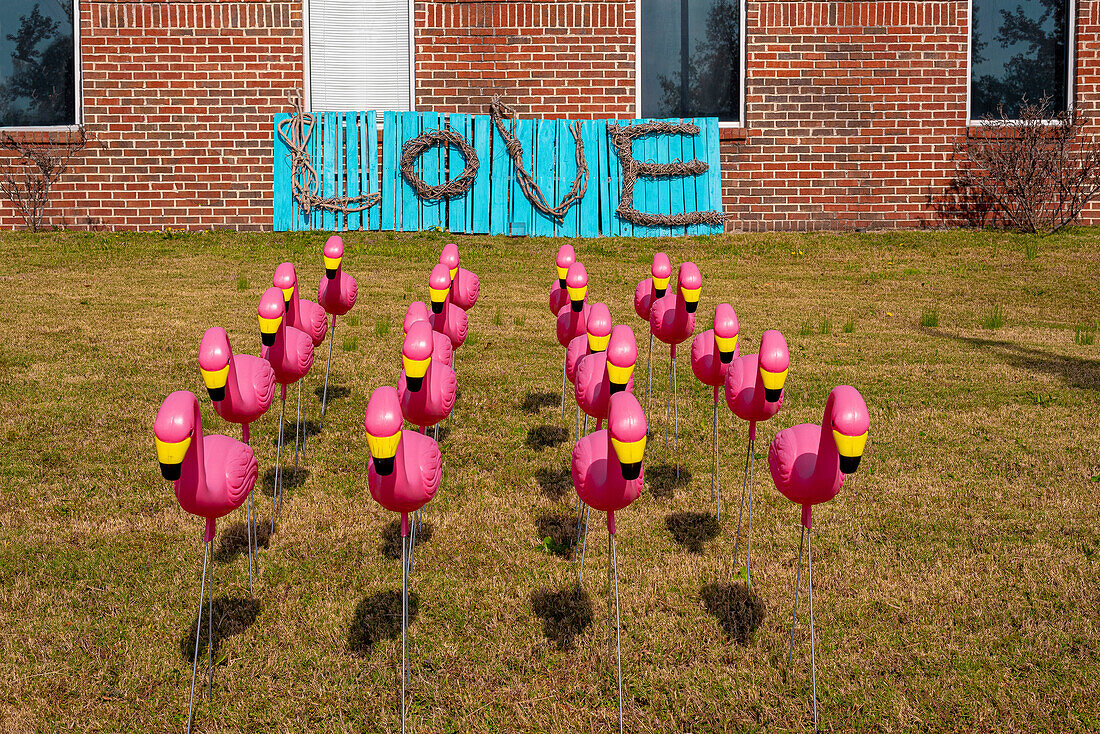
<point x="691" y="58"/>
<point x="1018" y="52"/>
<point x="37" y="63"/>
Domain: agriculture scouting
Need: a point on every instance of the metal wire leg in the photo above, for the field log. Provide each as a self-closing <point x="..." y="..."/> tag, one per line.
<point x="741" y="512"/>
<point x="297" y="426"/>
<point x="609" y="536"/>
<point x="277" y="498"/>
<point x="584" y="542"/>
<point x="810" y="580"/>
<point x="618" y="646"/>
<point x="198" y="633"/>
<point x="248" y="529"/>
<point x="668" y="405"/>
<point x="404" y="628"/>
<point x="324" y="395"/>
<point x="412" y="541"/>
<point x="797" y="584"/>
<point x="580" y="517"/>
<point x="748" y="531"/>
<point x="563" y="381"/>
<point x="210" y="636"/>
<point x="717" y="481"/>
<point x="649" y="379"/>
<point x="676" y="415"/>
<point x="586" y="424"/>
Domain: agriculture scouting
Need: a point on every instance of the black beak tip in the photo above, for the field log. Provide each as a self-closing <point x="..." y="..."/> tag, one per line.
<point x="631" y="471"/>
<point x="171" y="472"/>
<point x="725" y="357"/>
<point x="577" y="306"/>
<point x="437" y="307"/>
<point x="330" y="273"/>
<point x="561" y="283"/>
<point x="849" y="464"/>
<point x="267" y="340"/>
<point x="414" y="383"/>
<point x="690" y="306"/>
<point x="384" y="467"/>
<point x="616" y="387"/>
<point x="286" y="305"/>
<point x="772" y="395"/>
<point x="659" y="292"/>
<point x="217" y="394"/>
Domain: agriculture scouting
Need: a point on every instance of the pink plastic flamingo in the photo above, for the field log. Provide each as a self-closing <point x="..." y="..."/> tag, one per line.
<point x="808" y="464"/>
<point x="672" y="320"/>
<point x="241" y="388"/>
<point x="212" y="476"/>
<point x="446" y="318"/>
<point x="711" y="354"/>
<point x="572" y="319"/>
<point x="290" y="353"/>
<point x="464" y="284"/>
<point x="306" y="316"/>
<point x="648" y="291"/>
<point x="754" y="392"/>
<point x="404" y="475"/>
<point x="559" y="296"/>
<point x="597" y="333"/>
<point x="336" y="293"/>
<point x="427" y="387"/>
<point x="607" y="474"/>
<point x="442" y="349"/>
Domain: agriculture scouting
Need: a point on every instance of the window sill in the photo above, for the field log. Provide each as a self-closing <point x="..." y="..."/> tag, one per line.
<point x="737" y="132"/>
<point x="44" y="135"/>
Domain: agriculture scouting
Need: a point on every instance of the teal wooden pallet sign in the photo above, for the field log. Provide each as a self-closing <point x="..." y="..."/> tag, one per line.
<point x="344" y="150"/>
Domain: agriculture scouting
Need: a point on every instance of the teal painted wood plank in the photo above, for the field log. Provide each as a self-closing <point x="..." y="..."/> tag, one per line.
<point x="603" y="179"/>
<point x="619" y="227"/>
<point x="368" y="159"/>
<point x="478" y="215"/>
<point x="353" y="171"/>
<point x="546" y="165"/>
<point x="409" y="210"/>
<point x="653" y="185"/>
<point x="432" y="213"/>
<point x="687" y="153"/>
<point x="714" y="171"/>
<point x="303" y="220"/>
<point x="314" y="217"/>
<point x="458" y="206"/>
<point x="588" y="210"/>
<point x="281" y="197"/>
<point x="672" y="187"/>
<point x="567" y="171"/>
<point x="391" y="195"/>
<point x="500" y="184"/>
<point x="522" y="212"/>
<point x="330" y="138"/>
<point x="702" y="181"/>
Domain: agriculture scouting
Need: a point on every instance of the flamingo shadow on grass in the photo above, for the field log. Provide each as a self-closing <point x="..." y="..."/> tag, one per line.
<point x="662" y="479"/>
<point x="555" y="484"/>
<point x="533" y="402"/>
<point x="232" y="616"/>
<point x="565" y="614"/>
<point x="378" y="617"/>
<point x="335" y="392"/>
<point x="234" y="541"/>
<point x="541" y="437"/>
<point x="558" y="533"/>
<point x="692" y="529"/>
<point x="288" y="480"/>
<point x="1074" y="371"/>
<point x="738" y="609"/>
<point x="307" y="430"/>
<point x="391" y="537"/>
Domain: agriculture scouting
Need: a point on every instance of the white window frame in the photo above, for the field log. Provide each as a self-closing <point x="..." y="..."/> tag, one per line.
<point x="307" y="87"/>
<point x="78" y="92"/>
<point x="1071" y="64"/>
<point x="740" y="123"/>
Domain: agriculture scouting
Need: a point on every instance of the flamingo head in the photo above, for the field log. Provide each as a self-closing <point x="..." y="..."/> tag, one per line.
<point x="576" y="283"/>
<point x="173" y="430"/>
<point x="622" y="354"/>
<point x="661" y="271"/>
<point x="690" y="282"/>
<point x="449" y="257"/>
<point x="383" y="424"/>
<point x="726" y="329"/>
<point x="599" y="327"/>
<point x="627" y="426"/>
<point x="271" y="315"/>
<point x="439" y="285"/>
<point x="850" y="424"/>
<point x="286" y="280"/>
<point x="334" y="253"/>
<point x="214" y="355"/>
<point x="416" y="354"/>
<point x="417" y="311"/>
<point x="775" y="362"/>
<point x="566" y="257"/>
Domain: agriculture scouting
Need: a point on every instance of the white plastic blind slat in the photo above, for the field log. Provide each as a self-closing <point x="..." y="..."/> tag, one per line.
<point x="359" y="55"/>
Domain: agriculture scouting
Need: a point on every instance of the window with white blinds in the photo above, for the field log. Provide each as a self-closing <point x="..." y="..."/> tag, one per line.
<point x="359" y="55"/>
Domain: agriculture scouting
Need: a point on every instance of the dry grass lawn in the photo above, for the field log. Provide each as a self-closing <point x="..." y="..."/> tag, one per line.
<point x="955" y="575"/>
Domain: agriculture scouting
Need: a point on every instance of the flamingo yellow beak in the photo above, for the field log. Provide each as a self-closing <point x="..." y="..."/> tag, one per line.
<point x="629" y="454"/>
<point x="576" y="296"/>
<point x="215" y="382"/>
<point x="660" y="285"/>
<point x="773" y="384"/>
<point x="562" y="272"/>
<point x="415" y="369"/>
<point x="170" y="456"/>
<point x="850" y="449"/>
<point x="691" y="298"/>
<point x="268" y="329"/>
<point x="332" y="264"/>
<point x="383" y="449"/>
<point x="598" y="343"/>
<point x="618" y="377"/>
<point x="454" y="272"/>
<point x="288" y="293"/>
<point x="438" y="296"/>
<point x="727" y="345"/>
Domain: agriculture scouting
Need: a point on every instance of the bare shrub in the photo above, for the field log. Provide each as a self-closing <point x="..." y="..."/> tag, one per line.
<point x="33" y="166"/>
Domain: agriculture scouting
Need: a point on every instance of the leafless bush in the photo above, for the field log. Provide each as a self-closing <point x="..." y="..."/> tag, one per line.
<point x="1039" y="171"/>
<point x="30" y="169"/>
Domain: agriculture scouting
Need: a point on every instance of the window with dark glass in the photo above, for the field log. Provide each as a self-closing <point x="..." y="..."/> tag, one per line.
<point x="1018" y="51"/>
<point x="691" y="58"/>
<point x="37" y="63"/>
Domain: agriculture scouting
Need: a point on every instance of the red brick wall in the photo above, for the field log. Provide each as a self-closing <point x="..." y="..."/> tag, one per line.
<point x="852" y="108"/>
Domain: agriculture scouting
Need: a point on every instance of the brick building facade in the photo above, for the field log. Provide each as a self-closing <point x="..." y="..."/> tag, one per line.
<point x="851" y="109"/>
